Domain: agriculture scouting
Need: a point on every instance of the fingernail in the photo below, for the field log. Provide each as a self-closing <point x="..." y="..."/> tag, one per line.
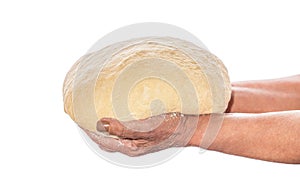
<point x="106" y="126"/>
<point x="102" y="126"/>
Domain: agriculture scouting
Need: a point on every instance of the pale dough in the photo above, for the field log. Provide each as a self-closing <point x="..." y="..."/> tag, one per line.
<point x="143" y="77"/>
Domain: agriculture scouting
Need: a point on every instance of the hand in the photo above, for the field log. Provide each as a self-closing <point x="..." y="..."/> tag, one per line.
<point x="139" y="137"/>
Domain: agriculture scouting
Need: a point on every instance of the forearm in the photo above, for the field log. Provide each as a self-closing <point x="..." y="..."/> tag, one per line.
<point x="265" y="95"/>
<point x="269" y="136"/>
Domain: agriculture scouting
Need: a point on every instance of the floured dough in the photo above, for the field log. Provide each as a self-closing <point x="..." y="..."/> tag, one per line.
<point x="143" y="77"/>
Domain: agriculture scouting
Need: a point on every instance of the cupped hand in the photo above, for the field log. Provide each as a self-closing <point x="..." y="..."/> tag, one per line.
<point x="139" y="137"/>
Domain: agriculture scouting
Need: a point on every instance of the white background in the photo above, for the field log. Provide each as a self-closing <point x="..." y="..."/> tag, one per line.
<point x="39" y="41"/>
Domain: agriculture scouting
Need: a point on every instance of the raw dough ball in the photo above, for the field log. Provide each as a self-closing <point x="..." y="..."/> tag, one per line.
<point x="143" y="77"/>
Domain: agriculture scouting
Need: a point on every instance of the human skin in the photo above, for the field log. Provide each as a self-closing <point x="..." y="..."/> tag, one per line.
<point x="271" y="136"/>
<point x="134" y="138"/>
<point x="265" y="95"/>
<point x="262" y="122"/>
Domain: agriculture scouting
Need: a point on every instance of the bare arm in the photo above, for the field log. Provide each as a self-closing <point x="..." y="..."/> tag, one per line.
<point x="265" y="95"/>
<point x="246" y="131"/>
<point x="271" y="136"/>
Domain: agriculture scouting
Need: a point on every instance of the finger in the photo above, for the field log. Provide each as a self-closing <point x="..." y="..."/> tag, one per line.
<point x="104" y="142"/>
<point x="110" y="144"/>
<point x="154" y="128"/>
<point x="112" y="126"/>
<point x="134" y="148"/>
<point x="141" y="147"/>
<point x="128" y="147"/>
<point x="122" y="129"/>
<point x="145" y="147"/>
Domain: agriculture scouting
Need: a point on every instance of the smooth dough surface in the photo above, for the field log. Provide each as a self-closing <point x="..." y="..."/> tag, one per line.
<point x="143" y="77"/>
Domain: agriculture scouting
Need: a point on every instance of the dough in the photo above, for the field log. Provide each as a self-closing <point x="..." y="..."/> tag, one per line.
<point x="144" y="77"/>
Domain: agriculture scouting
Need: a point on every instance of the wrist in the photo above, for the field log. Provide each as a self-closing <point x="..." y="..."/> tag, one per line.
<point x="202" y="122"/>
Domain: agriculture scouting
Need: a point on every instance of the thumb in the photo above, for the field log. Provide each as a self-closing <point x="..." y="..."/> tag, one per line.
<point x="111" y="125"/>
